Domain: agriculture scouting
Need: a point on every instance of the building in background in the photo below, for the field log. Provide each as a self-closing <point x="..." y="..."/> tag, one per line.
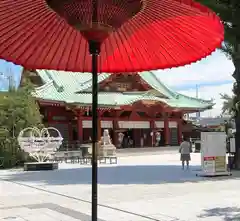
<point x="215" y="123"/>
<point x="136" y="104"/>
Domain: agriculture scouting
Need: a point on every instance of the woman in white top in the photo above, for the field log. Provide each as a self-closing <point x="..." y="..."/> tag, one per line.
<point x="185" y="150"/>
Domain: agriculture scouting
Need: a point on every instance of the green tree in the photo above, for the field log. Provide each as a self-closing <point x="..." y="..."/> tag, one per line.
<point x="227" y="107"/>
<point x="229" y="12"/>
<point x="18" y="110"/>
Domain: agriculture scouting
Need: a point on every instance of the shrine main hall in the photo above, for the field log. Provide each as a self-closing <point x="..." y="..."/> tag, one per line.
<point x="137" y="105"/>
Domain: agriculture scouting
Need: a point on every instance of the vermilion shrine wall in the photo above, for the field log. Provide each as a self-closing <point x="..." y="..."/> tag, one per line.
<point x="75" y="126"/>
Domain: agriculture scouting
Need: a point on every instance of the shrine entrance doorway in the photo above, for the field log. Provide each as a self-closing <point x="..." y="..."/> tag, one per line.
<point x="128" y="141"/>
<point x="162" y="140"/>
<point x="142" y="137"/>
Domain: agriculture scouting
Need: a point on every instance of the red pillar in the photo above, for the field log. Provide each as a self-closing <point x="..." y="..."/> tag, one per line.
<point x="152" y="127"/>
<point x="116" y="127"/>
<point x="180" y="125"/>
<point x="115" y="134"/>
<point x="49" y="115"/>
<point x="70" y="130"/>
<point x="166" y="130"/>
<point x="99" y="129"/>
<point x="80" y="128"/>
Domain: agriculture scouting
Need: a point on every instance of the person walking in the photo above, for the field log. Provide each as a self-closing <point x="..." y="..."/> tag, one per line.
<point x="185" y="150"/>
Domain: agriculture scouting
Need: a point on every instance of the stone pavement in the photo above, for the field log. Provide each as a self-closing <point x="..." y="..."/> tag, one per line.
<point x="139" y="188"/>
<point x="146" y="151"/>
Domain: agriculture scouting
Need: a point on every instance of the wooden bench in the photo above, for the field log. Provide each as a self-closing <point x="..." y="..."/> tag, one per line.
<point x="85" y="160"/>
<point x="66" y="156"/>
<point x="105" y="155"/>
<point x="106" y="159"/>
<point x="101" y="160"/>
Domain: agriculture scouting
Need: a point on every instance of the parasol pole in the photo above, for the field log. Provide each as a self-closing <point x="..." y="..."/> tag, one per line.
<point x="94" y="49"/>
<point x="94" y="136"/>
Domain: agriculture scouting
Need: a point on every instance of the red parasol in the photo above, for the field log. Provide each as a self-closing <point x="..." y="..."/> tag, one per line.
<point x="132" y="35"/>
<point x="161" y="34"/>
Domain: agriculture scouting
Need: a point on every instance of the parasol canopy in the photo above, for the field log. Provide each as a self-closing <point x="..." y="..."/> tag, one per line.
<point x="135" y="35"/>
<point x="130" y="35"/>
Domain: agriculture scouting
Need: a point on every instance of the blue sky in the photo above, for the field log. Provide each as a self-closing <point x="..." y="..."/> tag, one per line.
<point x="212" y="75"/>
<point x="9" y="69"/>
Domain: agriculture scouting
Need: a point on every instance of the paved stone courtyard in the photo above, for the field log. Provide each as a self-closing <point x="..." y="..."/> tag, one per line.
<point x="140" y="188"/>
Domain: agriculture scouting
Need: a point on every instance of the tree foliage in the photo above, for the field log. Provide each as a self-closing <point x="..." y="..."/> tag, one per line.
<point x="229" y="12"/>
<point x="227" y="107"/>
<point x="18" y="110"/>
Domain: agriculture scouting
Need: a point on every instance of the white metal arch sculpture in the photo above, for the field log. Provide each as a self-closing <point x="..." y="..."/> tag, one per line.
<point x="39" y="143"/>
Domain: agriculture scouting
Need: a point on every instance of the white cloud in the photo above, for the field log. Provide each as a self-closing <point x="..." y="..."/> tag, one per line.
<point x="209" y="92"/>
<point x="213" y="75"/>
<point x="215" y="68"/>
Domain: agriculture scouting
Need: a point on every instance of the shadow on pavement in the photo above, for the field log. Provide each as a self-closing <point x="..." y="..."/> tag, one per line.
<point x="225" y="213"/>
<point x="112" y="175"/>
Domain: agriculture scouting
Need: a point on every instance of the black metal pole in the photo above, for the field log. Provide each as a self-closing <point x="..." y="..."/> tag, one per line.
<point x="94" y="136"/>
<point x="94" y="49"/>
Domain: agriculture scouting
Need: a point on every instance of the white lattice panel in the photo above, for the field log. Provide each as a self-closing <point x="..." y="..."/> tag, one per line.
<point x="134" y="124"/>
<point x="173" y="124"/>
<point x="106" y="124"/>
<point x="87" y="124"/>
<point x="159" y="124"/>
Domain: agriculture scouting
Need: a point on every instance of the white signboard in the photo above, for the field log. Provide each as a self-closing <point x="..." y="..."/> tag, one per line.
<point x="213" y="154"/>
<point x="232" y="145"/>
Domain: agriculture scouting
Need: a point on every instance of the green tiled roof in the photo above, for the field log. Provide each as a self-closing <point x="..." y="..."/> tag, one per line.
<point x="73" y="88"/>
<point x="70" y="81"/>
<point x="151" y="79"/>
